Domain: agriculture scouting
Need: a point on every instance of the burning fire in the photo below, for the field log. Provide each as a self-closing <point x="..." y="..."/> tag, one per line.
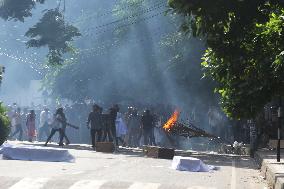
<point x="171" y="122"/>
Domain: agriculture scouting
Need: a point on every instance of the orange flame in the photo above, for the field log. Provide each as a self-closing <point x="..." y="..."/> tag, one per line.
<point x="173" y="119"/>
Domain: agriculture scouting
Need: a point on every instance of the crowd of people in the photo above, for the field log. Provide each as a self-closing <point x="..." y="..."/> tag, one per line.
<point x="126" y="129"/>
<point x="131" y="128"/>
<point x="88" y="123"/>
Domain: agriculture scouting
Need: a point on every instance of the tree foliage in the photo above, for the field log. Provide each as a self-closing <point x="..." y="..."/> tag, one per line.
<point x="245" y="49"/>
<point x="4" y="125"/>
<point x="52" y="31"/>
<point x="17" y="9"/>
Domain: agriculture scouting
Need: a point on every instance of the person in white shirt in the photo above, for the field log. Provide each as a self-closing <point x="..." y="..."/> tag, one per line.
<point x="44" y="125"/>
<point x="59" y="122"/>
<point x="17" y="122"/>
<point x="121" y="129"/>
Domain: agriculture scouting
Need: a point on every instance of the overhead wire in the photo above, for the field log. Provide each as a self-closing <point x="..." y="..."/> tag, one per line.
<point x="100" y="50"/>
<point x="115" y="43"/>
<point x="126" y="25"/>
<point x="140" y="13"/>
<point x="110" y="11"/>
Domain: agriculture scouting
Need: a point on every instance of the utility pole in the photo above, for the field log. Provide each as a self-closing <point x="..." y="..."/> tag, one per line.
<point x="279" y="128"/>
<point x="253" y="136"/>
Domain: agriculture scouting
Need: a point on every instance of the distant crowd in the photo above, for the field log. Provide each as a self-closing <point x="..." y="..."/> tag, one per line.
<point x="88" y="123"/>
<point x="131" y="128"/>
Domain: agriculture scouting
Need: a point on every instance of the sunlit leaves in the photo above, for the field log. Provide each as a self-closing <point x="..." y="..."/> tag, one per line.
<point x="17" y="9"/>
<point x="246" y="41"/>
<point x="4" y="124"/>
<point x="52" y="31"/>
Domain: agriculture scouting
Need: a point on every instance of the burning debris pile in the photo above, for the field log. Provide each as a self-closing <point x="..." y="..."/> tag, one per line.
<point x="172" y="126"/>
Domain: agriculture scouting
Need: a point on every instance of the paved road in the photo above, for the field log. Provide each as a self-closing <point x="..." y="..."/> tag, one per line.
<point x="127" y="170"/>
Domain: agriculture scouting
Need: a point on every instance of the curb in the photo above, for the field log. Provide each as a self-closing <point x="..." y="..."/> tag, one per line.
<point x="268" y="171"/>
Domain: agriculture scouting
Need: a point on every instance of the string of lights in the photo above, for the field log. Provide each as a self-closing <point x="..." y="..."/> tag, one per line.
<point x="36" y="67"/>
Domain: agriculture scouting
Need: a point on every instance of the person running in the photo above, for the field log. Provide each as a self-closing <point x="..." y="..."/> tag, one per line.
<point x="57" y="126"/>
<point x="67" y="141"/>
<point x="31" y="130"/>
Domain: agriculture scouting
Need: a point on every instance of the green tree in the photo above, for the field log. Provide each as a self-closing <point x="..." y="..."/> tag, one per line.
<point x="17" y="10"/>
<point x="245" y="49"/>
<point x="54" y="32"/>
<point x="51" y="31"/>
<point x="4" y="125"/>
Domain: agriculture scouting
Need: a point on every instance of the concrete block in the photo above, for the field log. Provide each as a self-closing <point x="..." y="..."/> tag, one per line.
<point x="158" y="152"/>
<point x="107" y="147"/>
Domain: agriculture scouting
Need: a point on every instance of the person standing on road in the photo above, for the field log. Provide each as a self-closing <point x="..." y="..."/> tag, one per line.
<point x="106" y="128"/>
<point x="45" y="122"/>
<point x="95" y="119"/>
<point x="121" y="129"/>
<point x="112" y="118"/>
<point x="31" y="129"/>
<point x="17" y="122"/>
<point x="134" y="128"/>
<point x="147" y="126"/>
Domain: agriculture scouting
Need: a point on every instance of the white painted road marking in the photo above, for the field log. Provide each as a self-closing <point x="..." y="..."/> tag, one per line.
<point x="88" y="184"/>
<point x="137" y="185"/>
<point x="39" y="183"/>
<point x="234" y="177"/>
<point x="30" y="183"/>
<point x="201" y="187"/>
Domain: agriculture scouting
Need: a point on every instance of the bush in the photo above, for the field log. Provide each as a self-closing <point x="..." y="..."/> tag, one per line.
<point x="4" y="125"/>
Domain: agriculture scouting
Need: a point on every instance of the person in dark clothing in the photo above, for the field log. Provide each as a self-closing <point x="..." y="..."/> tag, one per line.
<point x="155" y="117"/>
<point x="134" y="128"/>
<point x="95" y="118"/>
<point x="147" y="126"/>
<point x="112" y="118"/>
<point x="67" y="141"/>
<point x="57" y="126"/>
<point x="64" y="135"/>
<point x="106" y="128"/>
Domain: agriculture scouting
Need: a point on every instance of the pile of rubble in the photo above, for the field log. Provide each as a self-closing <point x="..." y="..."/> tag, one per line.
<point x="237" y="148"/>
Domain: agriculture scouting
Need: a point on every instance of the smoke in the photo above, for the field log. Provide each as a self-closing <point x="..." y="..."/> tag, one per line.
<point x="129" y="54"/>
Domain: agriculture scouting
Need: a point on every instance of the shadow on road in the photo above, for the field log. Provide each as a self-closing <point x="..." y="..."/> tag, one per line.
<point x="119" y="151"/>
